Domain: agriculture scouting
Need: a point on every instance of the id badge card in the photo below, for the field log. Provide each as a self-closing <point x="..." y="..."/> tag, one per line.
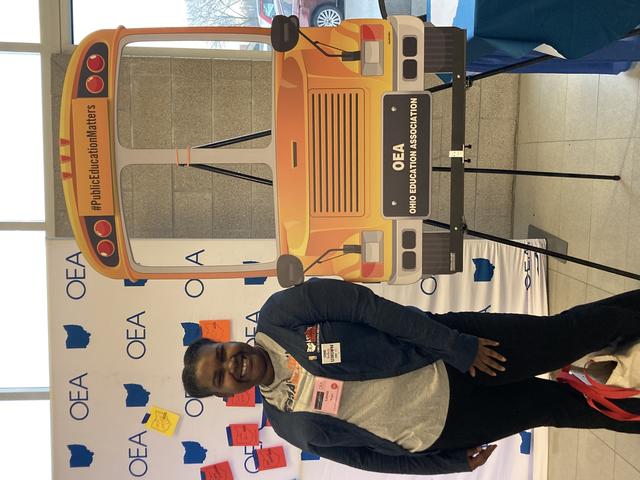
<point x="326" y="395"/>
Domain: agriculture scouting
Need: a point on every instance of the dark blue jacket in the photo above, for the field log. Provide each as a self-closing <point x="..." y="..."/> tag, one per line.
<point x="378" y="339"/>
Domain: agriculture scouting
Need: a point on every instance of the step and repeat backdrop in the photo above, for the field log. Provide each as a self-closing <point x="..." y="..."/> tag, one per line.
<point x="118" y="407"/>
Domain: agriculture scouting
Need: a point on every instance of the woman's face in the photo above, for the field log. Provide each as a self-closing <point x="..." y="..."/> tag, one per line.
<point x="230" y="368"/>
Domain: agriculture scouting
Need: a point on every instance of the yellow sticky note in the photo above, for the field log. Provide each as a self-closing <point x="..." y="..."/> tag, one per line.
<point x="163" y="421"/>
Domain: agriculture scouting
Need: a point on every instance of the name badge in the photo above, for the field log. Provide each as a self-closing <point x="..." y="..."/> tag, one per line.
<point x="331" y="353"/>
<point x="326" y="395"/>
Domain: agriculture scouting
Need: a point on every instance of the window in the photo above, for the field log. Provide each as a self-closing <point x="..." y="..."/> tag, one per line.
<point x="22" y="179"/>
<point x="146" y="13"/>
<point x="23" y="343"/>
<point x="24" y="379"/>
<point x="21" y="22"/>
<point x="25" y="441"/>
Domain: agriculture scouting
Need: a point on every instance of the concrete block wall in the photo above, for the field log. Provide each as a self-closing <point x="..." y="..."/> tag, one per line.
<point x="176" y="102"/>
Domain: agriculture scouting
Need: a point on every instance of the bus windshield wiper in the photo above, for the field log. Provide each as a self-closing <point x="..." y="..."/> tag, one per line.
<point x="227" y="172"/>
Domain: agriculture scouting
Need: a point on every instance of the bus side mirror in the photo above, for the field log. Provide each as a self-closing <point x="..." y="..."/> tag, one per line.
<point x="289" y="270"/>
<point x="284" y="33"/>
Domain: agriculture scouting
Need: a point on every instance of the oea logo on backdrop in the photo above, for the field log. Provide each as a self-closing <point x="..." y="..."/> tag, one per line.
<point x="79" y="456"/>
<point x="79" y="397"/>
<point x="193" y="407"/>
<point x="250" y="458"/>
<point x="77" y="337"/>
<point x="137" y="395"/>
<point x="192" y="331"/>
<point x="138" y="452"/>
<point x="194" y="287"/>
<point x="429" y="285"/>
<point x="136" y="335"/>
<point x="250" y="330"/>
<point x="483" y="272"/>
<point x="75" y="274"/>
<point x="527" y="267"/>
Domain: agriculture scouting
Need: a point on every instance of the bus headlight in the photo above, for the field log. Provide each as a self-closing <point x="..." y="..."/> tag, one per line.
<point x="372" y="47"/>
<point x="372" y="253"/>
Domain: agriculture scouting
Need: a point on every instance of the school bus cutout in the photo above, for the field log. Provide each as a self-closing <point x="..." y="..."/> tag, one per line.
<point x="350" y="151"/>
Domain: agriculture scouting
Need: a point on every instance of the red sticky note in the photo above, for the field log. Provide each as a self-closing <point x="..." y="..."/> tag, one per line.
<point x="218" y="330"/>
<point x="217" y="471"/>
<point x="269" y="458"/>
<point x="243" y="434"/>
<point x="244" y="399"/>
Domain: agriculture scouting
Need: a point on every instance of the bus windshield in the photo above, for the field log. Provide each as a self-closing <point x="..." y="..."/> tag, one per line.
<point x="167" y="106"/>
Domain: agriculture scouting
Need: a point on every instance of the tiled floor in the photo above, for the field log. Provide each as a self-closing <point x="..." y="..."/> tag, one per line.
<point x="583" y="123"/>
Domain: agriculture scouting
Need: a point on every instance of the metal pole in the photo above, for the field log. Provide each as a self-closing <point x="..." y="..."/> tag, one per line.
<point x="230" y="173"/>
<point x="490" y="73"/>
<point x="524" y="246"/>
<point x="456" y="153"/>
<point x="531" y="173"/>
<point x="234" y="140"/>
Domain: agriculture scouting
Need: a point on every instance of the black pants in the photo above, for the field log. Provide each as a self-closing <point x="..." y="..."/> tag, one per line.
<point x="485" y="408"/>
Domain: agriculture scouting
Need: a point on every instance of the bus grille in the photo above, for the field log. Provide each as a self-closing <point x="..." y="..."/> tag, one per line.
<point x="336" y="152"/>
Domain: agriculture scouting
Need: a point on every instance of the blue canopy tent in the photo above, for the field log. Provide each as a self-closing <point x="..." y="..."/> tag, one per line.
<point x="503" y="32"/>
<point x="614" y="58"/>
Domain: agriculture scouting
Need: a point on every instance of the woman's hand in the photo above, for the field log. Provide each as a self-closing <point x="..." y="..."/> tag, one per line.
<point x="478" y="456"/>
<point x="486" y="357"/>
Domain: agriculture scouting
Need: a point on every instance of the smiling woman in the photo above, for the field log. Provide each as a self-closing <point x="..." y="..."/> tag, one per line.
<point x="224" y="369"/>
